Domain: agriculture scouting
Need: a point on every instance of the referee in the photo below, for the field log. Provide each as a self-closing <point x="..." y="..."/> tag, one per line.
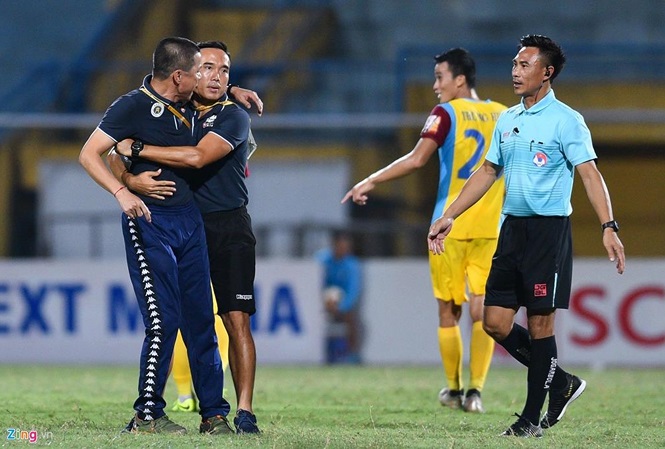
<point x="537" y="145"/>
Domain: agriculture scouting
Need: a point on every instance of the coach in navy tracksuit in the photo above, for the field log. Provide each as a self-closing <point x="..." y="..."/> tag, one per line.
<point x="165" y="240"/>
<point x="223" y="135"/>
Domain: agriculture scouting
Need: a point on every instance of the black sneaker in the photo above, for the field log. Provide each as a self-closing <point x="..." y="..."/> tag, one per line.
<point x="215" y="425"/>
<point x="561" y="399"/>
<point x="245" y="422"/>
<point x="523" y="428"/>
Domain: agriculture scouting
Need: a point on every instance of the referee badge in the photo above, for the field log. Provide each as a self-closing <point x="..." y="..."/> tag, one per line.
<point x="540" y="159"/>
<point x="157" y="109"/>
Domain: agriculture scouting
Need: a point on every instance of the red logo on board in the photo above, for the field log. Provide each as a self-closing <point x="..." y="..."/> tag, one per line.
<point x="540" y="290"/>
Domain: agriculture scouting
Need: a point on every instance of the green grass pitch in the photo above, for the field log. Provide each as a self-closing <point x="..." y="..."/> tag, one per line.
<point x="334" y="407"/>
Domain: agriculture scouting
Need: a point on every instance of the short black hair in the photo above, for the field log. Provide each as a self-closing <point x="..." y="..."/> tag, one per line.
<point x="215" y="44"/>
<point x="171" y="54"/>
<point x="551" y="53"/>
<point x="460" y="62"/>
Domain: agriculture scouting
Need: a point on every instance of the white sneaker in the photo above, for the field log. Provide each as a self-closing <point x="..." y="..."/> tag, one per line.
<point x="451" y="398"/>
<point x="473" y="403"/>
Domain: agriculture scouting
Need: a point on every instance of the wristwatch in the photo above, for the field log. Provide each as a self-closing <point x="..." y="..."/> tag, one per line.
<point x="228" y="89"/>
<point x="137" y="147"/>
<point x="610" y="224"/>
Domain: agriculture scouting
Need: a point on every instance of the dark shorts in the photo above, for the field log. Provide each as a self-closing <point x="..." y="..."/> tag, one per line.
<point x="232" y="254"/>
<point x="533" y="264"/>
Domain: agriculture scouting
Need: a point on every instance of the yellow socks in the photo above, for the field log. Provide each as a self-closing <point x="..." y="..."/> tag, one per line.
<point x="182" y="376"/>
<point x="223" y="341"/>
<point x="481" y="351"/>
<point x="450" y="347"/>
<point x="180" y="369"/>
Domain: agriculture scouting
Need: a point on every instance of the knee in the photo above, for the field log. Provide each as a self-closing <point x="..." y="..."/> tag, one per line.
<point x="497" y="330"/>
<point x="476" y="307"/>
<point x="236" y="323"/>
<point x="449" y="313"/>
<point x="490" y="330"/>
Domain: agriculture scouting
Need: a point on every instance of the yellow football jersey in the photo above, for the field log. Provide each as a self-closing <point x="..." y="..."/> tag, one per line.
<point x="462" y="149"/>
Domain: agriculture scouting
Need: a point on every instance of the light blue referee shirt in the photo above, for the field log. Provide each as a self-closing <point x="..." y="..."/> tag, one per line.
<point x="538" y="149"/>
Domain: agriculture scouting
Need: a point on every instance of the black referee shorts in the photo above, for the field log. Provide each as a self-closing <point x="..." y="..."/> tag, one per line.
<point x="533" y="264"/>
<point x="232" y="254"/>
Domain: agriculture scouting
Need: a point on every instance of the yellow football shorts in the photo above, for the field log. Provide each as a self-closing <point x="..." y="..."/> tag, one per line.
<point x="465" y="265"/>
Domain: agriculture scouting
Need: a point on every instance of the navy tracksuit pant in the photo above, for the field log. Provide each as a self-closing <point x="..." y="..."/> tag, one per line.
<point x="169" y="269"/>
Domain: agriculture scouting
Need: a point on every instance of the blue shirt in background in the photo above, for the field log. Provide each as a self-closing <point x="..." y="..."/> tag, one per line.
<point x="345" y="273"/>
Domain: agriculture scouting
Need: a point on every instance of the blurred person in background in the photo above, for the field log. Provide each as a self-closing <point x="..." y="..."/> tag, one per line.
<point x="222" y="130"/>
<point x="342" y="290"/>
<point x="537" y="146"/>
<point x="165" y="245"/>
<point x="459" y="128"/>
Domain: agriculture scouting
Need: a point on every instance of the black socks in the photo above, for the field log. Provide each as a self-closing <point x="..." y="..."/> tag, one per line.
<point x="540" y="356"/>
<point x="539" y="378"/>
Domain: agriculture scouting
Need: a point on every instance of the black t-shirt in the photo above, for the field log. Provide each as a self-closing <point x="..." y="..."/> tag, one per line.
<point x="220" y="185"/>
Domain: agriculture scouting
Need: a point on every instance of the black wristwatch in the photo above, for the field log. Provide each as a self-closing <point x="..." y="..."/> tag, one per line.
<point x="610" y="224"/>
<point x="137" y="147"/>
<point x="228" y="89"/>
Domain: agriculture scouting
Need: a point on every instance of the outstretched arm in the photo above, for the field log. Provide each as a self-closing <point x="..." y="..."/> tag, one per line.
<point x="475" y="187"/>
<point x="596" y="190"/>
<point x="403" y="166"/>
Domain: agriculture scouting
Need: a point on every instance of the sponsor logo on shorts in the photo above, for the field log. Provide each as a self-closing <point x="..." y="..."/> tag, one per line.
<point x="540" y="290"/>
<point x="244" y="297"/>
